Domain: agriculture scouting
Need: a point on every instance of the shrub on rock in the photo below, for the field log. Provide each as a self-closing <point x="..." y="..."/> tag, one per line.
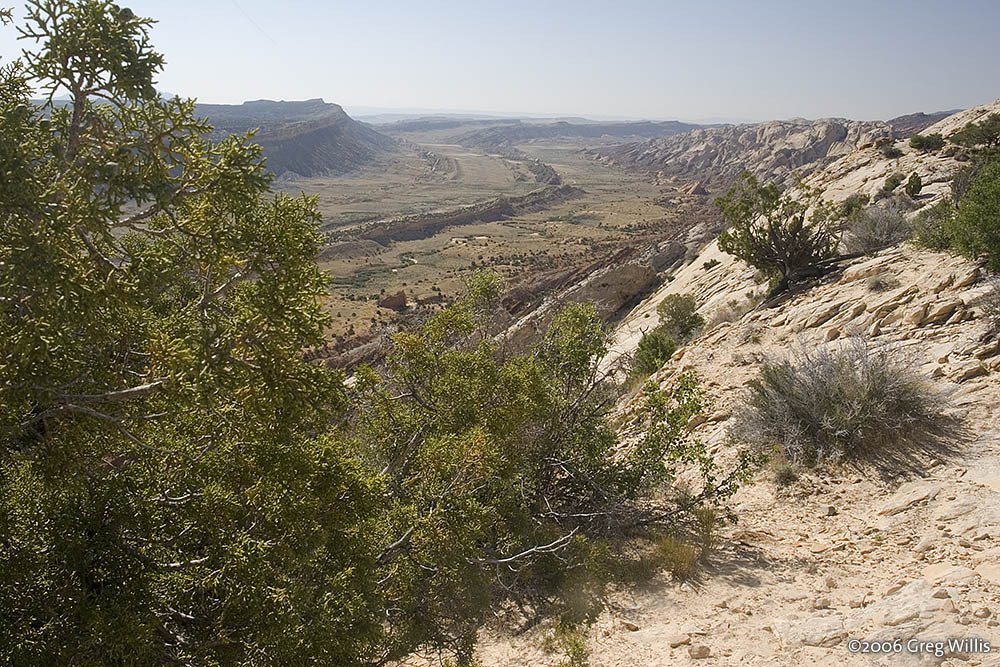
<point x="854" y="402"/>
<point x="874" y="229"/>
<point x="927" y="142"/>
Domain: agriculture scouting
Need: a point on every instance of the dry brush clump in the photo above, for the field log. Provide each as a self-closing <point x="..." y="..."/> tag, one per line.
<point x="874" y="229"/>
<point x="990" y="304"/>
<point x="734" y="309"/>
<point x="854" y="403"/>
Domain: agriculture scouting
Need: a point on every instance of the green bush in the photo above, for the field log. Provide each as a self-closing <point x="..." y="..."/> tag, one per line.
<point x="874" y="229"/>
<point x="966" y="175"/>
<point x="975" y="230"/>
<point x="853" y="205"/>
<point x="985" y="134"/>
<point x="914" y="185"/>
<point x="887" y="147"/>
<point x="892" y="182"/>
<point x="852" y="402"/>
<point x="571" y="641"/>
<point x="502" y="473"/>
<point x="654" y="350"/>
<point x="928" y="142"/>
<point x="932" y="226"/>
<point x="679" y="317"/>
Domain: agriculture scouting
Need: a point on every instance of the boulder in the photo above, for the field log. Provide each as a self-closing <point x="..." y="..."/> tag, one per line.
<point x="395" y="301"/>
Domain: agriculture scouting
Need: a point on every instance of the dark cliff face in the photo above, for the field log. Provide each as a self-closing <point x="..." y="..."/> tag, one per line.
<point x="308" y="138"/>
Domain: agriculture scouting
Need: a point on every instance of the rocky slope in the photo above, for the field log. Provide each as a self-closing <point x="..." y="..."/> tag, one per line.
<point x="772" y="151"/>
<point x="915" y="123"/>
<point x="846" y="554"/>
<point x="865" y="170"/>
<point x="309" y="138"/>
<point x="908" y="553"/>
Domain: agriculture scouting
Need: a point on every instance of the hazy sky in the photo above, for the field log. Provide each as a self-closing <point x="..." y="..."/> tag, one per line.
<point x="749" y="59"/>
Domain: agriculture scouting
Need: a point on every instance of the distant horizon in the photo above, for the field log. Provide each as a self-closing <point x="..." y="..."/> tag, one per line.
<point x="361" y="111"/>
<point x="720" y="61"/>
<point x="374" y="111"/>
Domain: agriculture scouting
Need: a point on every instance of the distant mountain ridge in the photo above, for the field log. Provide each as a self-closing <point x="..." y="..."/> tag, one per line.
<point x="303" y="138"/>
<point x="915" y="123"/>
<point x="519" y="132"/>
<point x="775" y="150"/>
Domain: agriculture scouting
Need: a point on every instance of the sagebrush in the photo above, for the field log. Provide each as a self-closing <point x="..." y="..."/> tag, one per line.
<point x="874" y="229"/>
<point x="853" y="402"/>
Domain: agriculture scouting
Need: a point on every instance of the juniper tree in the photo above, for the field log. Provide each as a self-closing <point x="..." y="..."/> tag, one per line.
<point x="167" y="492"/>
<point x="776" y="233"/>
<point x="178" y="486"/>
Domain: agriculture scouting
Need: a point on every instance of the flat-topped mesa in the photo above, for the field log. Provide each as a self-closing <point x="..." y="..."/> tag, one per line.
<point x="304" y="138"/>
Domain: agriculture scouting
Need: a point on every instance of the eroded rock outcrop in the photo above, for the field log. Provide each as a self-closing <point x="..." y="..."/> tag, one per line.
<point x="774" y="150"/>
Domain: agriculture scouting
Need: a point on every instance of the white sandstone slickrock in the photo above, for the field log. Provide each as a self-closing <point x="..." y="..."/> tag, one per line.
<point x="913" y="554"/>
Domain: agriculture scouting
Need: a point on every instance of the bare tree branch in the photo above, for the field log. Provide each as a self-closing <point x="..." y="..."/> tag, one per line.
<point x="116" y="396"/>
<point x="555" y="545"/>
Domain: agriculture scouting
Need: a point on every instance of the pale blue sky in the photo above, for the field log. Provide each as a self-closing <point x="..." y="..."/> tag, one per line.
<point x="623" y="58"/>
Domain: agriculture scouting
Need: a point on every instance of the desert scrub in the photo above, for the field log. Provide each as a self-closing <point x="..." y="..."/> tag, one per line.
<point x="655" y="349"/>
<point x="874" y="229"/>
<point x="574" y="647"/>
<point x="892" y="182"/>
<point x="785" y="474"/>
<point x="887" y="147"/>
<point x="853" y="402"/>
<point x="914" y="185"/>
<point x="679" y="316"/>
<point x="569" y="639"/>
<point x="932" y="226"/>
<point x="679" y="321"/>
<point x="928" y="142"/>
<point x="990" y="303"/>
<point x="976" y="226"/>
<point x="853" y="205"/>
<point x="733" y="310"/>
<point x="678" y="556"/>
<point x="881" y="282"/>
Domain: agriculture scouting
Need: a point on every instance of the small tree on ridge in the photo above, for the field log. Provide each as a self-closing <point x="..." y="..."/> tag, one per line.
<point x="773" y="232"/>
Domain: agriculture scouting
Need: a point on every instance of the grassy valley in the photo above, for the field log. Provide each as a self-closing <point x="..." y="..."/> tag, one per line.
<point x="469" y="209"/>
